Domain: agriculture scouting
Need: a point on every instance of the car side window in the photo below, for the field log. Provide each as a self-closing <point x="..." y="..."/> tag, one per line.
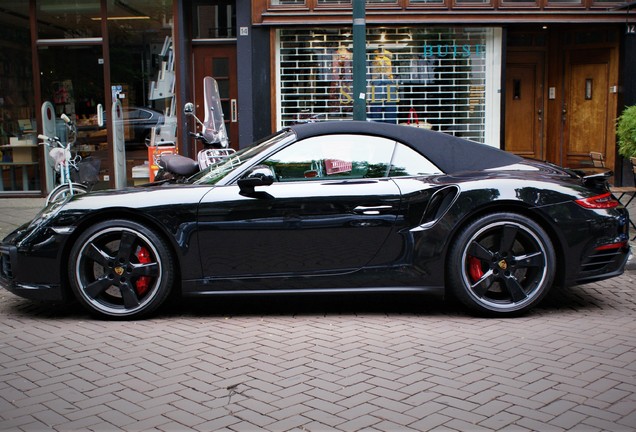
<point x="408" y="162"/>
<point x="333" y="157"/>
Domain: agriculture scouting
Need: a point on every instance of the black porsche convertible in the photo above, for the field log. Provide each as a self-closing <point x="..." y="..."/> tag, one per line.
<point x="330" y="207"/>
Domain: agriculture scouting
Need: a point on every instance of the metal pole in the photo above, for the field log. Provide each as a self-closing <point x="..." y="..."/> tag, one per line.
<point x="359" y="61"/>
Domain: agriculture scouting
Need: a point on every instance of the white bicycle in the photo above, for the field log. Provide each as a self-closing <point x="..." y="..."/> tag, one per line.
<point x="77" y="176"/>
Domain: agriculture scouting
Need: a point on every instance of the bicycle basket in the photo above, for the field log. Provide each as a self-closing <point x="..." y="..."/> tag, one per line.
<point x="89" y="170"/>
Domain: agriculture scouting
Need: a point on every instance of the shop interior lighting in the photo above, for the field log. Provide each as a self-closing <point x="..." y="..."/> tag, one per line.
<point x="77" y="7"/>
<point x="122" y="18"/>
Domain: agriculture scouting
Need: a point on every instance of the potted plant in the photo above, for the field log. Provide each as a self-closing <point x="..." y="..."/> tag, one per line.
<point x="626" y="132"/>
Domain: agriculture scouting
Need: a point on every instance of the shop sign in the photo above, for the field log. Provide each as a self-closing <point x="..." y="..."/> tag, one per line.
<point x="454" y="51"/>
<point x="384" y="93"/>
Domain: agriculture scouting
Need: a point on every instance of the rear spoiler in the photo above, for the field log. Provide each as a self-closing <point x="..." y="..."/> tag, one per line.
<point x="593" y="176"/>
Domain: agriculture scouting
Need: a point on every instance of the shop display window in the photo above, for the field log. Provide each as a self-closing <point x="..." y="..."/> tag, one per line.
<point x="19" y="172"/>
<point x="425" y="2"/>
<point x="287" y="2"/>
<point x="472" y="2"/>
<point x="64" y="19"/>
<point x="143" y="79"/>
<point x="427" y="77"/>
<point x="331" y="2"/>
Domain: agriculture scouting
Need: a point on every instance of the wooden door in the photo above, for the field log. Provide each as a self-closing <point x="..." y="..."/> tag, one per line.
<point x="587" y="117"/>
<point x="524" y="101"/>
<point x="219" y="62"/>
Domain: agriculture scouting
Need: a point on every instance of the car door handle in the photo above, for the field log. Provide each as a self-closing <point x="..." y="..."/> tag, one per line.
<point x="372" y="210"/>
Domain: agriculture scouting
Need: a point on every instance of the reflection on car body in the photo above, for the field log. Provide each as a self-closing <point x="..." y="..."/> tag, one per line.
<point x="138" y="124"/>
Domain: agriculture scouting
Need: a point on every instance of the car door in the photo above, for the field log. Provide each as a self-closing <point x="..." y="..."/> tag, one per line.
<point x="329" y="210"/>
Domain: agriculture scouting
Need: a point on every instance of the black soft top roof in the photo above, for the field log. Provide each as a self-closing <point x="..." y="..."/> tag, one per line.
<point x="448" y="153"/>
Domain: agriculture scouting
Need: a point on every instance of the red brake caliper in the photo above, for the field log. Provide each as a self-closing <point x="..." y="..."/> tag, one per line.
<point x="474" y="268"/>
<point x="143" y="283"/>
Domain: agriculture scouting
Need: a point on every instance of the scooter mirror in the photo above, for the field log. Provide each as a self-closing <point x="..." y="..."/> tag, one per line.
<point x="188" y="109"/>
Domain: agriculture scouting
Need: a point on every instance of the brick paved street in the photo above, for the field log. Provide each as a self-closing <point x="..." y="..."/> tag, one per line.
<point x="346" y="363"/>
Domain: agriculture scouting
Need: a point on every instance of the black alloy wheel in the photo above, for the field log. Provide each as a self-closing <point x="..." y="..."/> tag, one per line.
<point x="501" y="264"/>
<point x="120" y="269"/>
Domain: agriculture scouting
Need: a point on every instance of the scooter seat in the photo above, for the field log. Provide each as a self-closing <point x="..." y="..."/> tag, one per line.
<point x="178" y="164"/>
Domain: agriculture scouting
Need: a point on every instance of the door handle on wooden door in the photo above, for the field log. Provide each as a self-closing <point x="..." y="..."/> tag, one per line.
<point x="233" y="111"/>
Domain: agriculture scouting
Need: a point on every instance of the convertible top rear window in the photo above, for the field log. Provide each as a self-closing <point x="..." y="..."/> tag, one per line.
<point x="450" y="154"/>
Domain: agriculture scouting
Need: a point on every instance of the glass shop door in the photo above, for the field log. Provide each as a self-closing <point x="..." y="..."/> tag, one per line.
<point x="72" y="79"/>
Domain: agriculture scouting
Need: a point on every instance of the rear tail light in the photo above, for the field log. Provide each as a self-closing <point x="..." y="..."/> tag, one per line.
<point x="603" y="201"/>
<point x="612" y="246"/>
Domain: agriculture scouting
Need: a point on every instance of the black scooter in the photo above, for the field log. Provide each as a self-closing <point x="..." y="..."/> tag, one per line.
<point x="213" y="136"/>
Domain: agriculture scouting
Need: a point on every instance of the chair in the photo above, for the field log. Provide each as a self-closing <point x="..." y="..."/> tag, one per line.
<point x="621" y="191"/>
<point x="598" y="161"/>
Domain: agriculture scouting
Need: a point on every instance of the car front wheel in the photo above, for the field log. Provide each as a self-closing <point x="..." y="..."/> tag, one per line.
<point x="501" y="264"/>
<point x="120" y="269"/>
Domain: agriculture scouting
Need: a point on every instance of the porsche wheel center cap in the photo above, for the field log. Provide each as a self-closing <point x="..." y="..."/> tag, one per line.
<point x="503" y="264"/>
<point x="119" y="270"/>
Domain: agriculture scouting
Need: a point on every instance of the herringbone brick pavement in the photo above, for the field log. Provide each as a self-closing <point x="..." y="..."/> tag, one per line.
<point x="324" y="363"/>
<point x="321" y="363"/>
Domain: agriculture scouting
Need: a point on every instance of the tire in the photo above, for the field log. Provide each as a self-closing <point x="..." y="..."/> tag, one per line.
<point x="62" y="191"/>
<point x="119" y="269"/>
<point x="501" y="264"/>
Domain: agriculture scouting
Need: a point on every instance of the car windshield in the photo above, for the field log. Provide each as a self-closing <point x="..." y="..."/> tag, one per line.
<point x="219" y="170"/>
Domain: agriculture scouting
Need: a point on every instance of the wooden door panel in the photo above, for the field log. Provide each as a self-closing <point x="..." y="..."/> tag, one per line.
<point x="520" y="111"/>
<point x="219" y="62"/>
<point x="524" y="104"/>
<point x="588" y="102"/>
<point x="586" y="105"/>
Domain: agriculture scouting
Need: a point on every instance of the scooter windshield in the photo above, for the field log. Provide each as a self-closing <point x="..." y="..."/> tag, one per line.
<point x="214" y="130"/>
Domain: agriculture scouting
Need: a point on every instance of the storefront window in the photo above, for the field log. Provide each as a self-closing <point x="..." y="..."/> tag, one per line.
<point x="18" y="143"/>
<point x="428" y="77"/>
<point x="287" y="2"/>
<point x="214" y="21"/>
<point x="68" y="19"/>
<point x="519" y="2"/>
<point x="425" y="2"/>
<point x="471" y="2"/>
<point x="142" y="73"/>
<point x="348" y="2"/>
<point x="72" y="80"/>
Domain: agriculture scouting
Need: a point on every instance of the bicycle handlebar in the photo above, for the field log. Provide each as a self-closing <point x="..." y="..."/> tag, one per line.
<point x="50" y="140"/>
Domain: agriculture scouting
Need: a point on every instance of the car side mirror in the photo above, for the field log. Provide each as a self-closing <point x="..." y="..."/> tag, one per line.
<point x="261" y="175"/>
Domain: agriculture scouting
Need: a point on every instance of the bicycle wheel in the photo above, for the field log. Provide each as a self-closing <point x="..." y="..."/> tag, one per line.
<point x="64" y="190"/>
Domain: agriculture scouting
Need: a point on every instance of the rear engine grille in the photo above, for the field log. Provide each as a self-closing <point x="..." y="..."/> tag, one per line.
<point x="601" y="258"/>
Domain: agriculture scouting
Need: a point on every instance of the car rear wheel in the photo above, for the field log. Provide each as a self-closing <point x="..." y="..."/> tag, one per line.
<point x="501" y="264"/>
<point x="120" y="269"/>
